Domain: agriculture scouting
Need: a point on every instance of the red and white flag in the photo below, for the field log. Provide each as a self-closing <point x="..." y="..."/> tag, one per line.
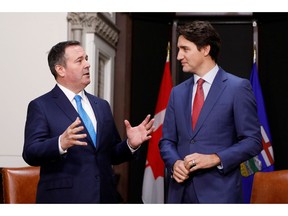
<point x="153" y="181"/>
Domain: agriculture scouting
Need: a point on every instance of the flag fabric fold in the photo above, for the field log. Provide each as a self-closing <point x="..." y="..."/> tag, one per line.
<point x="153" y="181"/>
<point x="263" y="162"/>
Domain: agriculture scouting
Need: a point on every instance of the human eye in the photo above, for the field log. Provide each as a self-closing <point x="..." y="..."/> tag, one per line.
<point x="79" y="60"/>
<point x="186" y="49"/>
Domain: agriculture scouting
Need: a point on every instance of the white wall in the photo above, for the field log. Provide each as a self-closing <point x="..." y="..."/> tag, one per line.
<point x="25" y="39"/>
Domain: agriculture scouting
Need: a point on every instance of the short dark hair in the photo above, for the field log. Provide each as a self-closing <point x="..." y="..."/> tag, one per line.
<point x="202" y="33"/>
<point x="57" y="55"/>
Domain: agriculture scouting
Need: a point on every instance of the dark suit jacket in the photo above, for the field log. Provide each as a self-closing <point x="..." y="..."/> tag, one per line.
<point x="227" y="125"/>
<point x="84" y="174"/>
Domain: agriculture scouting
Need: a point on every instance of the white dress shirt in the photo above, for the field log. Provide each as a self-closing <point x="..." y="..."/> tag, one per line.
<point x="208" y="77"/>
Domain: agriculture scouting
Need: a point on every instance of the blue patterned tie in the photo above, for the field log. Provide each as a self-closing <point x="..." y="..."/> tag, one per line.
<point x="85" y="118"/>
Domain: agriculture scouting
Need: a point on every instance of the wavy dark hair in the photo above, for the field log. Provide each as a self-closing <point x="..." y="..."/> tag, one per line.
<point x="201" y="33"/>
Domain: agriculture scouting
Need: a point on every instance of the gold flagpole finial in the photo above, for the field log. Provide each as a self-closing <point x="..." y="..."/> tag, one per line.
<point x="168" y="52"/>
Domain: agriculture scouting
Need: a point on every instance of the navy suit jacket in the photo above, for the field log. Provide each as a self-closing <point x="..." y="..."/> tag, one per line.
<point x="84" y="174"/>
<point x="227" y="125"/>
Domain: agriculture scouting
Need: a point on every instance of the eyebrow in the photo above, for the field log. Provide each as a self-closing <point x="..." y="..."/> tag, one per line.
<point x="81" y="57"/>
<point x="183" y="47"/>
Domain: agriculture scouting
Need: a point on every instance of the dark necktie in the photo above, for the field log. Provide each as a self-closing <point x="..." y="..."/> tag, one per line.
<point x="85" y="118"/>
<point x="198" y="102"/>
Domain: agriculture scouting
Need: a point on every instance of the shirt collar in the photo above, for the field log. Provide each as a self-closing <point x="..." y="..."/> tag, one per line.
<point x="70" y="95"/>
<point x="208" y="77"/>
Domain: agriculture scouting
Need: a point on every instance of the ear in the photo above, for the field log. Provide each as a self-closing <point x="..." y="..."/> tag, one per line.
<point x="60" y="70"/>
<point x="206" y="50"/>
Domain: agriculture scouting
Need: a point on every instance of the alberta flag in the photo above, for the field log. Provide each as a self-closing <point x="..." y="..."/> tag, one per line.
<point x="265" y="160"/>
<point x="153" y="181"/>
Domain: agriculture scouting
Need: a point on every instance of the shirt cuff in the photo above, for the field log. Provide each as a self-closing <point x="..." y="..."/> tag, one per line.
<point x="61" y="151"/>
<point x="132" y="149"/>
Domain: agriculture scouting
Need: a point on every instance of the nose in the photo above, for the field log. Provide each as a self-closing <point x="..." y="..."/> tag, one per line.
<point x="87" y="65"/>
<point x="179" y="56"/>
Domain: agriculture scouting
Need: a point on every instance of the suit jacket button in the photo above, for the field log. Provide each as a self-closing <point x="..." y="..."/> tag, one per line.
<point x="192" y="141"/>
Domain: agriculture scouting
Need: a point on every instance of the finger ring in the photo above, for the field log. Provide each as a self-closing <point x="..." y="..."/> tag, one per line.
<point x="193" y="163"/>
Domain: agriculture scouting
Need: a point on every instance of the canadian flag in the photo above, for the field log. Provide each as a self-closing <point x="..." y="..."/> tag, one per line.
<point x="153" y="181"/>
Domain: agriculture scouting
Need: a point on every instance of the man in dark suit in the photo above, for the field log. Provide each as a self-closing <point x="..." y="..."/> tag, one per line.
<point x="74" y="169"/>
<point x="204" y="159"/>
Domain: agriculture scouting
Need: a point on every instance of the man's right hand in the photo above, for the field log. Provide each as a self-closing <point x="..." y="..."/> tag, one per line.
<point x="71" y="135"/>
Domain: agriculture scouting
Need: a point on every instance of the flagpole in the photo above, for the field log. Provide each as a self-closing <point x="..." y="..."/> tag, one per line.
<point x="255" y="42"/>
<point x="254" y="53"/>
<point x="168" y="52"/>
<point x="174" y="53"/>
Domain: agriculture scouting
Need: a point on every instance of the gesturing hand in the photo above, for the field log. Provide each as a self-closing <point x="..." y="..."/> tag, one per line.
<point x="71" y="135"/>
<point x="141" y="133"/>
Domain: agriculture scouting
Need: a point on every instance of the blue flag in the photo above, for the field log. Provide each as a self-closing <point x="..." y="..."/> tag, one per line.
<point x="265" y="160"/>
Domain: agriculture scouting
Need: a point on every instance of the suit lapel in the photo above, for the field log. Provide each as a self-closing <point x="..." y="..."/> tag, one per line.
<point x="187" y="103"/>
<point x="215" y="91"/>
<point x="64" y="104"/>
